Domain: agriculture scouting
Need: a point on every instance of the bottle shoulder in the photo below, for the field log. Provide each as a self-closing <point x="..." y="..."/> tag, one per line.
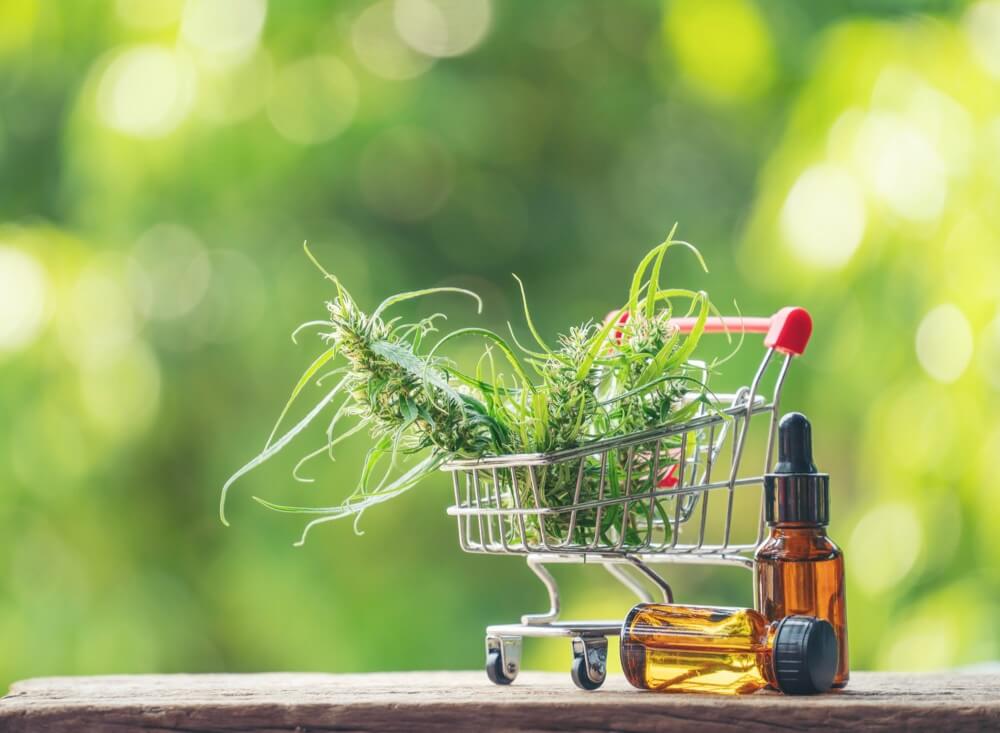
<point x="798" y="544"/>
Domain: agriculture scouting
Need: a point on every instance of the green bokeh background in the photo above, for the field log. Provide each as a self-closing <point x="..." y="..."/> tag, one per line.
<point x="161" y="163"/>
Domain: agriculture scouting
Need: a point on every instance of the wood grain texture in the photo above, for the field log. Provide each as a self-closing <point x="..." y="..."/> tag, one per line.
<point x="460" y="701"/>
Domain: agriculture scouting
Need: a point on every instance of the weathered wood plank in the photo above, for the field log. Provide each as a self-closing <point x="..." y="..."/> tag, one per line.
<point x="458" y="701"/>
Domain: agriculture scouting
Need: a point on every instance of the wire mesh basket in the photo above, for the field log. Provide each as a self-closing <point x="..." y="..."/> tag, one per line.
<point x="664" y="495"/>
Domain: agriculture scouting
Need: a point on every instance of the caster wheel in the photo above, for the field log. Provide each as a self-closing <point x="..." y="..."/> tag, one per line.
<point x="495" y="669"/>
<point x="580" y="677"/>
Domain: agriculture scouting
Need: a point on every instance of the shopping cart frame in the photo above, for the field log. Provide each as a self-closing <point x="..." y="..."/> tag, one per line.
<point x="500" y="509"/>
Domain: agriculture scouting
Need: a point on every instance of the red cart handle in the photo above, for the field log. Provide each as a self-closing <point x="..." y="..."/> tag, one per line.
<point x="787" y="331"/>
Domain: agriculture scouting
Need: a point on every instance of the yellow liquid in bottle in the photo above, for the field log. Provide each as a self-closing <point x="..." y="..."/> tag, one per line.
<point x="690" y="671"/>
<point x="696" y="649"/>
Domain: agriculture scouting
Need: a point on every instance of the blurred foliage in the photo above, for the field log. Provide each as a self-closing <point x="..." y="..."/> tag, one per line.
<point x="162" y="161"/>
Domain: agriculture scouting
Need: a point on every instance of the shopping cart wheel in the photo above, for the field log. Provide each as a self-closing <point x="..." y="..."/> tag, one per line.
<point x="590" y="662"/>
<point x="495" y="669"/>
<point x="503" y="658"/>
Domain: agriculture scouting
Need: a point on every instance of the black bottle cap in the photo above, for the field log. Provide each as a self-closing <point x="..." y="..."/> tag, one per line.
<point x="805" y="655"/>
<point x="796" y="491"/>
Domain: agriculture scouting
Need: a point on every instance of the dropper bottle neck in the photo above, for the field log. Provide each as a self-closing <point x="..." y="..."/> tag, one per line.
<point x="795" y="492"/>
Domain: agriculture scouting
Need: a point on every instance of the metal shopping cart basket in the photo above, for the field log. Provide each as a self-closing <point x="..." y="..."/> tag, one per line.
<point x="653" y="498"/>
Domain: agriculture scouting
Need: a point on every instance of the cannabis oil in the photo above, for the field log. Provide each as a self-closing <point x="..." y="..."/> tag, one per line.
<point x="731" y="651"/>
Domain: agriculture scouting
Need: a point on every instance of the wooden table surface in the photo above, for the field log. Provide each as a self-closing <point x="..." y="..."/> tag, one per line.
<point x="460" y="701"/>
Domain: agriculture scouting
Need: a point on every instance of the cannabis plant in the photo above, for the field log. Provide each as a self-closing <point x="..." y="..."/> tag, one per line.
<point x="629" y="373"/>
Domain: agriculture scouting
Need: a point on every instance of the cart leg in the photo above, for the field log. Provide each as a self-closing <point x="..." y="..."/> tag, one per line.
<point x="539" y="569"/>
<point x="590" y="661"/>
<point x="629" y="582"/>
<point x="503" y="658"/>
<point x="663" y="585"/>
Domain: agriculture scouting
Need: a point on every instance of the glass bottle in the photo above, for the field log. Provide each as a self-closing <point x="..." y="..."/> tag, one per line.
<point x="798" y="569"/>
<point x="731" y="651"/>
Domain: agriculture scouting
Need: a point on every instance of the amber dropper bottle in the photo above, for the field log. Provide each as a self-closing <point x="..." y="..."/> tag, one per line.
<point x="730" y="651"/>
<point x="798" y="569"/>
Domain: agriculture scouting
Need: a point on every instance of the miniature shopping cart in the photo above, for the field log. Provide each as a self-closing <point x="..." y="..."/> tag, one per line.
<point x="661" y="496"/>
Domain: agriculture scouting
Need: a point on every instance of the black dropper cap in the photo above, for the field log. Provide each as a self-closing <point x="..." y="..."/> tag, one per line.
<point x="805" y="655"/>
<point x="796" y="491"/>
